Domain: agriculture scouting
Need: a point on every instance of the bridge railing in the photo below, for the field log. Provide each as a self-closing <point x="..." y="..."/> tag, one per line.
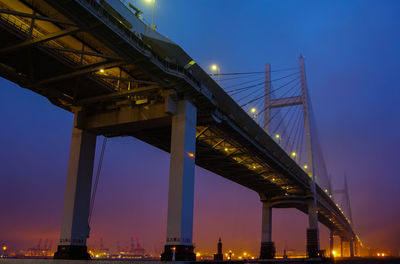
<point x="113" y="22"/>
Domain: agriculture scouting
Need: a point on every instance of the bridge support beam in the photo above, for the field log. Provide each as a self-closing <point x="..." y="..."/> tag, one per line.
<point x="312" y="231"/>
<point x="331" y="242"/>
<point x="75" y="227"/>
<point x="267" y="250"/>
<point x="351" y="247"/>
<point x="179" y="245"/>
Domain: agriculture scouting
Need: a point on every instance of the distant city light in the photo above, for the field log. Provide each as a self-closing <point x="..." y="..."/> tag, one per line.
<point x="191" y="154"/>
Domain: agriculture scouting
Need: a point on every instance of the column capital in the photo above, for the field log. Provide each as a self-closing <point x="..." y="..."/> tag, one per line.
<point x="264" y="198"/>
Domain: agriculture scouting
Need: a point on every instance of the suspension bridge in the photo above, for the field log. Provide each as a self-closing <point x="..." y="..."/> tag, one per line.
<point x="120" y="77"/>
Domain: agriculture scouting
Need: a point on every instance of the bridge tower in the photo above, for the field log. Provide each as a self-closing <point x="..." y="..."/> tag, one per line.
<point x="347" y="208"/>
<point x="303" y="99"/>
<point x="179" y="245"/>
<point x="75" y="227"/>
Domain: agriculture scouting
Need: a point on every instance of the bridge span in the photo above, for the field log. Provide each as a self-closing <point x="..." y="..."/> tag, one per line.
<point x="120" y="77"/>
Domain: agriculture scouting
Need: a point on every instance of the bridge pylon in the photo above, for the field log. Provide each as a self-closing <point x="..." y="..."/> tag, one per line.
<point x="303" y="99"/>
<point x="179" y="245"/>
<point x="75" y="227"/>
<point x="267" y="250"/>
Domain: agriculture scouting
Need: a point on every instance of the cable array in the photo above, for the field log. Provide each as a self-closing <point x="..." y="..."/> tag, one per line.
<point x="286" y="124"/>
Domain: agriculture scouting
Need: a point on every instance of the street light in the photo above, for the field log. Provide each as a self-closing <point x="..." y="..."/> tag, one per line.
<point x="294" y="155"/>
<point x="278" y="138"/>
<point x="216" y="68"/>
<point x="254" y="113"/>
<point x="154" y="7"/>
<point x="4" y="251"/>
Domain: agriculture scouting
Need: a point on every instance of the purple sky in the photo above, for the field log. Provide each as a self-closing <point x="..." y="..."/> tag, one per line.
<point x="352" y="57"/>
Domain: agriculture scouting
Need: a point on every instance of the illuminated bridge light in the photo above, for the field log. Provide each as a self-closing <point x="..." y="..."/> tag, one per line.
<point x="190" y="154"/>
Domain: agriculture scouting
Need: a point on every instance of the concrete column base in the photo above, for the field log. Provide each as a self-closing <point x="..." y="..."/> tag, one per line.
<point x="267" y="250"/>
<point x="312" y="243"/>
<point x="182" y="253"/>
<point x="71" y="252"/>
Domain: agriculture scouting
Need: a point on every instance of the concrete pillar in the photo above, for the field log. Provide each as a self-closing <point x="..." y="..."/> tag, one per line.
<point x="351" y="247"/>
<point x="267" y="246"/>
<point x="75" y="226"/>
<point x="341" y="246"/>
<point x="355" y="248"/>
<point x="331" y="244"/>
<point x="312" y="231"/>
<point x="181" y="184"/>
